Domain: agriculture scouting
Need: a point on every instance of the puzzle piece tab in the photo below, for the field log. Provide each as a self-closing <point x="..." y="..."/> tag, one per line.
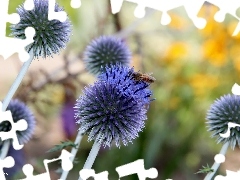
<point x="230" y="175"/>
<point x="8" y="162"/>
<point x="66" y="164"/>
<point x="61" y="16"/>
<point x="9" y="46"/>
<point x="192" y="9"/>
<point x="137" y="167"/>
<point x="87" y="173"/>
<point x="227" y="7"/>
<point x="20" y="125"/>
<point x="75" y="4"/>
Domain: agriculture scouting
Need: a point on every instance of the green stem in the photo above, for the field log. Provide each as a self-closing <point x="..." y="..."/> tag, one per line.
<point x="73" y="152"/>
<point x="216" y="165"/>
<point x="91" y="157"/>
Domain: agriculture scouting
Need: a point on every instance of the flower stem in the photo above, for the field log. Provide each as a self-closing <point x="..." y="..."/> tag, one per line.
<point x="9" y="96"/>
<point x="216" y="165"/>
<point x="73" y="152"/>
<point x="91" y="157"/>
<point x="4" y="149"/>
<point x="17" y="82"/>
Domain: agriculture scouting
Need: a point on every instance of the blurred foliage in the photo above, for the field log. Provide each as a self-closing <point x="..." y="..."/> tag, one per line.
<point x="193" y="67"/>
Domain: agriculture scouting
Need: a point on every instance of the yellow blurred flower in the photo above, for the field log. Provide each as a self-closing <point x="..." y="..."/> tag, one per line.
<point x="203" y="83"/>
<point x="176" y="51"/>
<point x="215" y="51"/>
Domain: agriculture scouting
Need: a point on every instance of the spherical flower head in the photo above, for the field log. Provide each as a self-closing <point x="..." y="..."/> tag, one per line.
<point x="104" y="51"/>
<point x="112" y="110"/>
<point x="224" y="110"/>
<point x="50" y="37"/>
<point x="20" y="111"/>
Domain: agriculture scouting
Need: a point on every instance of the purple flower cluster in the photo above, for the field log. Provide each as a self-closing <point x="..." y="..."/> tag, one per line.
<point x="114" y="107"/>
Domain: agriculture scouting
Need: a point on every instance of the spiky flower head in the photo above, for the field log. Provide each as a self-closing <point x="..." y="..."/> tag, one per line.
<point x="50" y="37"/>
<point x="224" y="110"/>
<point x="20" y="111"/>
<point x="113" y="109"/>
<point x="103" y="51"/>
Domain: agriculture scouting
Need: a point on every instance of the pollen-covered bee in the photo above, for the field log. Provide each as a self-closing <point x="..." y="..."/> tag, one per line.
<point x="143" y="77"/>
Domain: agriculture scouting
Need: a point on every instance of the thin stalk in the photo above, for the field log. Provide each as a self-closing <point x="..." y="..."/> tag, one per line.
<point x="9" y="96"/>
<point x="216" y="165"/>
<point x="73" y="152"/>
<point x="4" y="149"/>
<point x="91" y="157"/>
<point x="17" y="82"/>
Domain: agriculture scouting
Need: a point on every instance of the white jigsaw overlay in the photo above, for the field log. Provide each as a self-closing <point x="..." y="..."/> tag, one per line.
<point x="18" y="46"/>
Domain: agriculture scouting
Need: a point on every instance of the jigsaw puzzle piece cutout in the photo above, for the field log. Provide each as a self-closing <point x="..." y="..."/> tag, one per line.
<point x="9" y="46"/>
<point x="160" y="5"/>
<point x="226" y="7"/>
<point x="116" y="5"/>
<point x="87" y="173"/>
<point x="137" y="167"/>
<point x="5" y="17"/>
<point x="236" y="89"/>
<point x="75" y="4"/>
<point x="20" y="125"/>
<point x="61" y="15"/>
<point x="66" y="164"/>
<point x="29" y="5"/>
<point x="192" y="8"/>
<point x="17" y="45"/>
<point x="230" y="175"/>
<point x="8" y="162"/>
<point x="28" y="171"/>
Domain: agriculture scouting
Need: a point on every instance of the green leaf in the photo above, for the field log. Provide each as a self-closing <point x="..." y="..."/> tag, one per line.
<point x="63" y="145"/>
<point x="205" y="169"/>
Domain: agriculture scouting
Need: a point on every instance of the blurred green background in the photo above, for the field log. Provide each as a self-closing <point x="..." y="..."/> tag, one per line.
<point x="192" y="68"/>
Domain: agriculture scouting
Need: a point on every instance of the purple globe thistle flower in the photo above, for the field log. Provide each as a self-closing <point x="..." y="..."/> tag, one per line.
<point x="20" y="111"/>
<point x="50" y="37"/>
<point x="113" y="109"/>
<point x="104" y="51"/>
<point x="224" y="110"/>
